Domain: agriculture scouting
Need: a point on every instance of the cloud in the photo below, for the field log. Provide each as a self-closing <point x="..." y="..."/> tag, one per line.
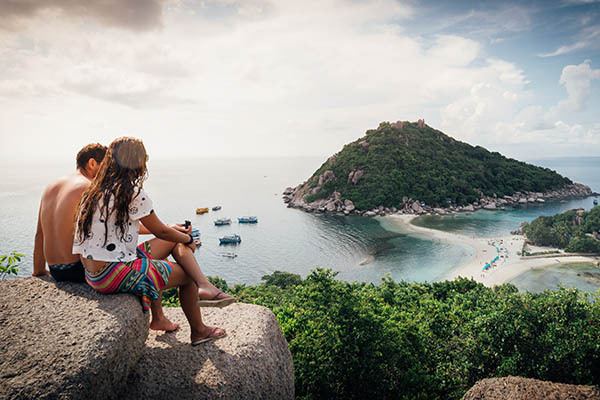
<point x="588" y="39"/>
<point x="577" y="80"/>
<point x="565" y="49"/>
<point x="260" y="77"/>
<point x="136" y="15"/>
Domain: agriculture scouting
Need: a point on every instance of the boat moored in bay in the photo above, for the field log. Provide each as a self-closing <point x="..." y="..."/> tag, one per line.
<point x="230" y="239"/>
<point x="248" y="220"/>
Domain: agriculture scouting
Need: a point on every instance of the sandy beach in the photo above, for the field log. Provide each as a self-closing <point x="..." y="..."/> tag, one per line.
<point x="508" y="265"/>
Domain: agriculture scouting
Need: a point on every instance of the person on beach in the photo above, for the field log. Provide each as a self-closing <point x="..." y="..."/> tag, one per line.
<point x="110" y="214"/>
<point x="56" y="217"/>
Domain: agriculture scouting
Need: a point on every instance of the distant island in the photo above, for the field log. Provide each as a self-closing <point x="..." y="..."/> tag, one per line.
<point x="411" y="168"/>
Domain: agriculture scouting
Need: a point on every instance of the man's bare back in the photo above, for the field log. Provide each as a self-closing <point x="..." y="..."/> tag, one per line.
<point x="56" y="218"/>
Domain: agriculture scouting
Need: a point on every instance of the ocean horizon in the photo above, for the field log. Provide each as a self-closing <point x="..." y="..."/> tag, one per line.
<point x="358" y="248"/>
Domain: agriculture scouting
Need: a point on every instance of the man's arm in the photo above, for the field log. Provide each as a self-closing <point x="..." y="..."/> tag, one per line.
<point x="39" y="260"/>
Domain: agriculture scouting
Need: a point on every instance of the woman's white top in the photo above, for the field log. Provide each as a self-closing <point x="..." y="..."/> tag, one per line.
<point x="114" y="249"/>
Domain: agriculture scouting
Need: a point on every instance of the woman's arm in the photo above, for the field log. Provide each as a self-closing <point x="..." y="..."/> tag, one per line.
<point x="178" y="227"/>
<point x="162" y="231"/>
<point x="144" y="230"/>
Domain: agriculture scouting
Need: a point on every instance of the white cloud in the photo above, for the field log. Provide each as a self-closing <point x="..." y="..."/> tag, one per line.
<point x="565" y="49"/>
<point x="254" y="77"/>
<point x="577" y="79"/>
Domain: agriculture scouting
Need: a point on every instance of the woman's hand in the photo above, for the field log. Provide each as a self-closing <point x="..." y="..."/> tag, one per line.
<point x="181" y="228"/>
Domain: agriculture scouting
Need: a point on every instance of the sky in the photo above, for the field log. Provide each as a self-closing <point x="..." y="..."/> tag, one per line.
<point x="283" y="78"/>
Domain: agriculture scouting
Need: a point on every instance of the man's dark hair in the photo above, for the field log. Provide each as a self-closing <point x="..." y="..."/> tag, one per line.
<point x="92" y="150"/>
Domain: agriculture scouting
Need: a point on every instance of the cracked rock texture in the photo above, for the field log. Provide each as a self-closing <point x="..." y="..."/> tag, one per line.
<point x="252" y="362"/>
<point x="65" y="341"/>
<point x="515" y="388"/>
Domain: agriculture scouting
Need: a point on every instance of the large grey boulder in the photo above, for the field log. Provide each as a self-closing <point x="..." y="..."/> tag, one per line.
<point x="516" y="388"/>
<point x="65" y="341"/>
<point x="252" y="362"/>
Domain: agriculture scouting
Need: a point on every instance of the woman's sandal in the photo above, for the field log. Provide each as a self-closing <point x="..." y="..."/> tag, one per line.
<point x="220" y="300"/>
<point x="209" y="337"/>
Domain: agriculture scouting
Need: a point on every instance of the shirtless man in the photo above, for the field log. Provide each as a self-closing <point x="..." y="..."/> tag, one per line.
<point x="56" y="219"/>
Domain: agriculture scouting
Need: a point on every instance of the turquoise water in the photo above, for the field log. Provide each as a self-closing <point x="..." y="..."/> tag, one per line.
<point x="284" y="239"/>
<point x="568" y="275"/>
<point x="486" y="223"/>
<point x="362" y="249"/>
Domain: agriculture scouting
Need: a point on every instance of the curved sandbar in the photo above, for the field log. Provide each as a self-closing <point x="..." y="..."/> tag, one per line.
<point x="507" y="267"/>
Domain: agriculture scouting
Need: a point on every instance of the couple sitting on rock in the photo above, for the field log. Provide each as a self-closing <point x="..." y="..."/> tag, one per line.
<point x="100" y="247"/>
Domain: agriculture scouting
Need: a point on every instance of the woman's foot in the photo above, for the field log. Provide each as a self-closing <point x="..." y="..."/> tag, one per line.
<point x="163" y="324"/>
<point x="208" y="333"/>
<point x="210" y="296"/>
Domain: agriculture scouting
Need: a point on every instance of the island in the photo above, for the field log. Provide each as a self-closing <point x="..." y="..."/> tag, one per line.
<point x="410" y="168"/>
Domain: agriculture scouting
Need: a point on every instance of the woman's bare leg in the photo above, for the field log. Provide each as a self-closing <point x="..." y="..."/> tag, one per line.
<point x="160" y="249"/>
<point x="185" y="257"/>
<point x="188" y="296"/>
<point x="159" y="321"/>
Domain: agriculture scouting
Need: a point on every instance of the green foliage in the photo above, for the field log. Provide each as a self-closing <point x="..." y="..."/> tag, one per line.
<point x="9" y="264"/>
<point x="425" y="164"/>
<point x="426" y="341"/>
<point x="170" y="298"/>
<point x="567" y="230"/>
<point x="282" y="279"/>
<point x="583" y="245"/>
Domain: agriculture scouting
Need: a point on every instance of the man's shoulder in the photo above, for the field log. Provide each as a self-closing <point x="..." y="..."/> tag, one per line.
<point x="70" y="183"/>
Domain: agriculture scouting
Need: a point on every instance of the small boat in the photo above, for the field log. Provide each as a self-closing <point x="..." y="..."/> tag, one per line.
<point x="230" y="239"/>
<point x="201" y="210"/>
<point x="222" y="221"/>
<point x="595" y="202"/>
<point x="229" y="255"/>
<point x="216" y="208"/>
<point x="195" y="234"/>
<point x="247" y="220"/>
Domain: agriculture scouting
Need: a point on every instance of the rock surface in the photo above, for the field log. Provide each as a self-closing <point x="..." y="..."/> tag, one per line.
<point x="64" y="340"/>
<point x="253" y="361"/>
<point x="515" y="388"/>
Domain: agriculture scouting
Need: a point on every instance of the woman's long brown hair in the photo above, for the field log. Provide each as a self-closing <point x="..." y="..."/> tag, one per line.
<point x="122" y="173"/>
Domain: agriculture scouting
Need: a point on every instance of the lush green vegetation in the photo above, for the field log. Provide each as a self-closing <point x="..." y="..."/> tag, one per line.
<point x="9" y="264"/>
<point x="425" y="164"/>
<point x="425" y="341"/>
<point x="569" y="230"/>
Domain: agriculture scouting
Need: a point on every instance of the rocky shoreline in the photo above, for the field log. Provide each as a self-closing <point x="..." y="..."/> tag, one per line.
<point x="294" y="198"/>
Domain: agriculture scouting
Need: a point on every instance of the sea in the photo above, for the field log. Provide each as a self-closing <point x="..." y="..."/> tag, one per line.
<point x="286" y="239"/>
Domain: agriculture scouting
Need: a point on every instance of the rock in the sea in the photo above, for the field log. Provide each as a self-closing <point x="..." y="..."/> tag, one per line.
<point x="252" y="362"/>
<point x="370" y="214"/>
<point x="516" y="388"/>
<point x="66" y="341"/>
<point x="469" y="207"/>
<point x="490" y="206"/>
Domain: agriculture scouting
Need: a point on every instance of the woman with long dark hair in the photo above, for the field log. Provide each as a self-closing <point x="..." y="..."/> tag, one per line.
<point x="109" y="218"/>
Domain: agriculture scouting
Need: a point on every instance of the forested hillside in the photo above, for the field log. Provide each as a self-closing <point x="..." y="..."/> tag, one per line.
<point x="412" y="160"/>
